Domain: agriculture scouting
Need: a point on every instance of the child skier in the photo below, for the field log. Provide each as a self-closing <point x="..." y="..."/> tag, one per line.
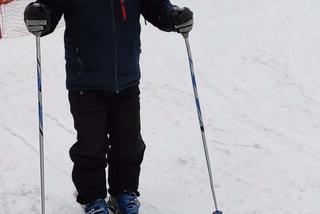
<point x="102" y="48"/>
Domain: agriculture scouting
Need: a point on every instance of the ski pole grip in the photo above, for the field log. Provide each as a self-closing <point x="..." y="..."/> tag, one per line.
<point x="217" y="212"/>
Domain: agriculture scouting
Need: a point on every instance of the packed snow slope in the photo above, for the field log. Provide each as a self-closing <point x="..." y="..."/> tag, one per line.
<point x="257" y="66"/>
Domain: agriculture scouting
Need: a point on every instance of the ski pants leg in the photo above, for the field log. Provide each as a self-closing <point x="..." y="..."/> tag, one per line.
<point x="108" y="132"/>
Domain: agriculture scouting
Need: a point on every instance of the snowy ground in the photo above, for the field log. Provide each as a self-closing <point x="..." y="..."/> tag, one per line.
<point x="257" y="65"/>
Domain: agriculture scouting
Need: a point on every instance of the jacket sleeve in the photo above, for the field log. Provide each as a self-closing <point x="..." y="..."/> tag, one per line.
<point x="156" y="11"/>
<point x="56" y="9"/>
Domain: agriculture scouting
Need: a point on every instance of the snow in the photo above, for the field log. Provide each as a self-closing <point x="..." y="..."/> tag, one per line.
<point x="257" y="68"/>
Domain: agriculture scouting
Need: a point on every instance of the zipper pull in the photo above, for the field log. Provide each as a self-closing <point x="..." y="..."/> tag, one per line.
<point x="123" y="10"/>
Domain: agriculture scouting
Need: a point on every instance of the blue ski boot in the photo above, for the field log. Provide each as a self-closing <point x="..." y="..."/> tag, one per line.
<point x="98" y="206"/>
<point x="126" y="203"/>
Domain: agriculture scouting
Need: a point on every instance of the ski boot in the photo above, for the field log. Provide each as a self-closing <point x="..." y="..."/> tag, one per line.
<point x="126" y="203"/>
<point x="98" y="206"/>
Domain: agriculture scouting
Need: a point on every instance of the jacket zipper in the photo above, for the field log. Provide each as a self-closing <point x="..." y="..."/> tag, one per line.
<point x="115" y="46"/>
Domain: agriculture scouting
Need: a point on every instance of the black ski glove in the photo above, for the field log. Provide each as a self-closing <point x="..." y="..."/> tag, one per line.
<point x="37" y="19"/>
<point x="177" y="19"/>
<point x="182" y="19"/>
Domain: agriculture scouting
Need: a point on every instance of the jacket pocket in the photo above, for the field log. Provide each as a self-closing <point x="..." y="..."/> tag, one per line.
<point x="74" y="65"/>
<point x="79" y="61"/>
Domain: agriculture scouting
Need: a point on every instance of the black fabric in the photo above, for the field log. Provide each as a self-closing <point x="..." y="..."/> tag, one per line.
<point x="108" y="125"/>
<point x="101" y="50"/>
<point x="55" y="8"/>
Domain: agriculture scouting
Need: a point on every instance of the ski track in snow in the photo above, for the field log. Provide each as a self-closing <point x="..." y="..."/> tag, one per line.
<point x="257" y="70"/>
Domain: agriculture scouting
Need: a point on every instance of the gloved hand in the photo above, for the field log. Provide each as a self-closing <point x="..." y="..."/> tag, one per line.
<point x="37" y="19"/>
<point x="182" y="19"/>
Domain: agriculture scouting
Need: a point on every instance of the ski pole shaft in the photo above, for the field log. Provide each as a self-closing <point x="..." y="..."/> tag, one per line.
<point x="41" y="146"/>
<point x="205" y="145"/>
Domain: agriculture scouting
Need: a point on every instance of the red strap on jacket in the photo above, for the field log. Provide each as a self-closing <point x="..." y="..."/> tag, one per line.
<point x="123" y="10"/>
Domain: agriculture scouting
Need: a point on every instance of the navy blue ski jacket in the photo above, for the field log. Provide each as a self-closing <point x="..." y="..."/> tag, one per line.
<point x="102" y="39"/>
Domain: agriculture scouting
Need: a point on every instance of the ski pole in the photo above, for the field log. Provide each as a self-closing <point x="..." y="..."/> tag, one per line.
<point x="205" y="146"/>
<point x="40" y="124"/>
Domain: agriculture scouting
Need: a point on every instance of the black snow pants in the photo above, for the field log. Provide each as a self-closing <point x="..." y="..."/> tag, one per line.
<point x="108" y="133"/>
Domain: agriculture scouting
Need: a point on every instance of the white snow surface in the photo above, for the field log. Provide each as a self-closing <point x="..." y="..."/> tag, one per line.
<point x="257" y="67"/>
